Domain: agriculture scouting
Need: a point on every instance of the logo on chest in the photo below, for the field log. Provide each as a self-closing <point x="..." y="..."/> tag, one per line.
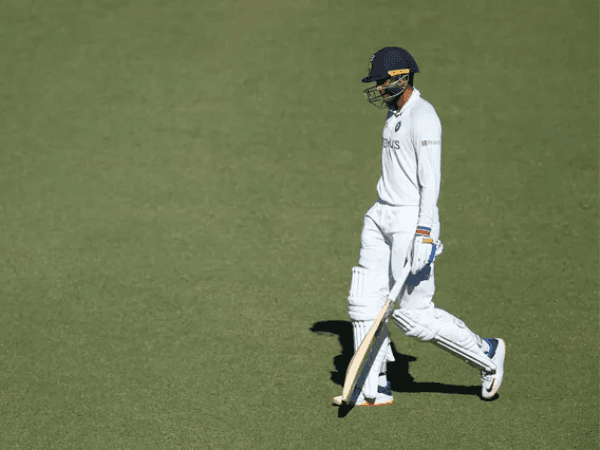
<point x="391" y="144"/>
<point x="397" y="127"/>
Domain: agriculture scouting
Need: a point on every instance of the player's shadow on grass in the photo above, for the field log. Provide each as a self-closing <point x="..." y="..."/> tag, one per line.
<point x="398" y="371"/>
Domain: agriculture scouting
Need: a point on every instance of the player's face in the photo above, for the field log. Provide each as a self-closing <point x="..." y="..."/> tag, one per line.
<point x="387" y="95"/>
<point x="385" y="92"/>
<point x="382" y="87"/>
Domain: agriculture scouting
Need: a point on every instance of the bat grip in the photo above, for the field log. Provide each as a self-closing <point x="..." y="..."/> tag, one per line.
<point x="399" y="283"/>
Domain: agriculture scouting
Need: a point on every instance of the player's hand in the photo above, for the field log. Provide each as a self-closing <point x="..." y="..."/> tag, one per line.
<point x="424" y="249"/>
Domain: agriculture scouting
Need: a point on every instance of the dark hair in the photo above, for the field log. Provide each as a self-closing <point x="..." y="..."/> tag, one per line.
<point x="411" y="77"/>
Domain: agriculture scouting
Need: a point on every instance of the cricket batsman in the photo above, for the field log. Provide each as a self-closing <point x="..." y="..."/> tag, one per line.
<point x="401" y="228"/>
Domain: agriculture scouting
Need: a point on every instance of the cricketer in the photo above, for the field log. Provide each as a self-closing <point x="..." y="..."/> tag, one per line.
<point x="399" y="229"/>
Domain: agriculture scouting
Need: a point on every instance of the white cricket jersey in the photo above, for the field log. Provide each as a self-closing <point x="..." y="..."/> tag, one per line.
<point x="411" y="158"/>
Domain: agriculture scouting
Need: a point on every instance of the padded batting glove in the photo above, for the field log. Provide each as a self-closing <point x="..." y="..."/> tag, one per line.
<point x="424" y="249"/>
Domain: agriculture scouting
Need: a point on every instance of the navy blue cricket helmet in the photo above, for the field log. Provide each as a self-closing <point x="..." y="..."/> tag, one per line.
<point x="391" y="68"/>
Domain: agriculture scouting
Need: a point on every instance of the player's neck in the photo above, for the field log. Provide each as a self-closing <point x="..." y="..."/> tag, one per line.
<point x="404" y="97"/>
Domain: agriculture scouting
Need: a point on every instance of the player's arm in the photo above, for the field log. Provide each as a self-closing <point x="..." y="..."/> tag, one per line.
<point x="428" y="149"/>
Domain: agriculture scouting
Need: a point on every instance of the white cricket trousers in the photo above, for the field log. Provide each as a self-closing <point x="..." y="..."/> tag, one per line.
<point x="385" y="244"/>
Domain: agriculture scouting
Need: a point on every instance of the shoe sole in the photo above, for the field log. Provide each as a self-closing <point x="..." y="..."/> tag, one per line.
<point x="337" y="401"/>
<point x="389" y="402"/>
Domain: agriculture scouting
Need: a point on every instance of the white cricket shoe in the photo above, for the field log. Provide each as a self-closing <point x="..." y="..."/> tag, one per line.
<point x="384" y="397"/>
<point x="490" y="382"/>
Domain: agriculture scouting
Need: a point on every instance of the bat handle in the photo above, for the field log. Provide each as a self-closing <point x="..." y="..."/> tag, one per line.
<point x="399" y="283"/>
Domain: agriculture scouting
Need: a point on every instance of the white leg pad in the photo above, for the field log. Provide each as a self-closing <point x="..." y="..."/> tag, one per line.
<point x="445" y="331"/>
<point x="367" y="294"/>
<point x="370" y="379"/>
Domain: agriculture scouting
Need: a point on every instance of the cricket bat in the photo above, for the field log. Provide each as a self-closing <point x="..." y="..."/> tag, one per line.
<point x="365" y="353"/>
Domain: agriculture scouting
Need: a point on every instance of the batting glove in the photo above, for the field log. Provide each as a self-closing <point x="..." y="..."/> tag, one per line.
<point x="424" y="249"/>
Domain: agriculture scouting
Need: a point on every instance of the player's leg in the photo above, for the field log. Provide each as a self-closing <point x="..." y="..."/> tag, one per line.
<point x="369" y="288"/>
<point x="447" y="332"/>
<point x="418" y="317"/>
<point x="452" y="335"/>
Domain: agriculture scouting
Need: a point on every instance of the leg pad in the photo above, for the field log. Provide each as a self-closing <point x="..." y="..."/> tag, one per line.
<point x="447" y="332"/>
<point x="367" y="294"/>
<point x="369" y="381"/>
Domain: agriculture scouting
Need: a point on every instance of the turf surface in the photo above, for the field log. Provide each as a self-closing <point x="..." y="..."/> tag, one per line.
<point x="181" y="194"/>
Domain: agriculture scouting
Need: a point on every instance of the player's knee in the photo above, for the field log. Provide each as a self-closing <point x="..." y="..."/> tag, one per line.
<point x="416" y="323"/>
<point x="363" y="308"/>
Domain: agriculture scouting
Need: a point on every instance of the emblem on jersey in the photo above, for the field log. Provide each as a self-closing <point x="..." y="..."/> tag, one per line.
<point x="397" y="126"/>
<point x="424" y="143"/>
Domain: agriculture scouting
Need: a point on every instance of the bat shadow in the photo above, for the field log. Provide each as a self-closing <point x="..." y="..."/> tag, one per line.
<point x="398" y="371"/>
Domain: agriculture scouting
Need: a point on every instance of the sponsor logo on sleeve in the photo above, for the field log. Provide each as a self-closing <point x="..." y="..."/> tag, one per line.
<point x="425" y="143"/>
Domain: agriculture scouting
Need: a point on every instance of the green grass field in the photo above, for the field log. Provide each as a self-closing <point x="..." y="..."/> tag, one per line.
<point x="182" y="186"/>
